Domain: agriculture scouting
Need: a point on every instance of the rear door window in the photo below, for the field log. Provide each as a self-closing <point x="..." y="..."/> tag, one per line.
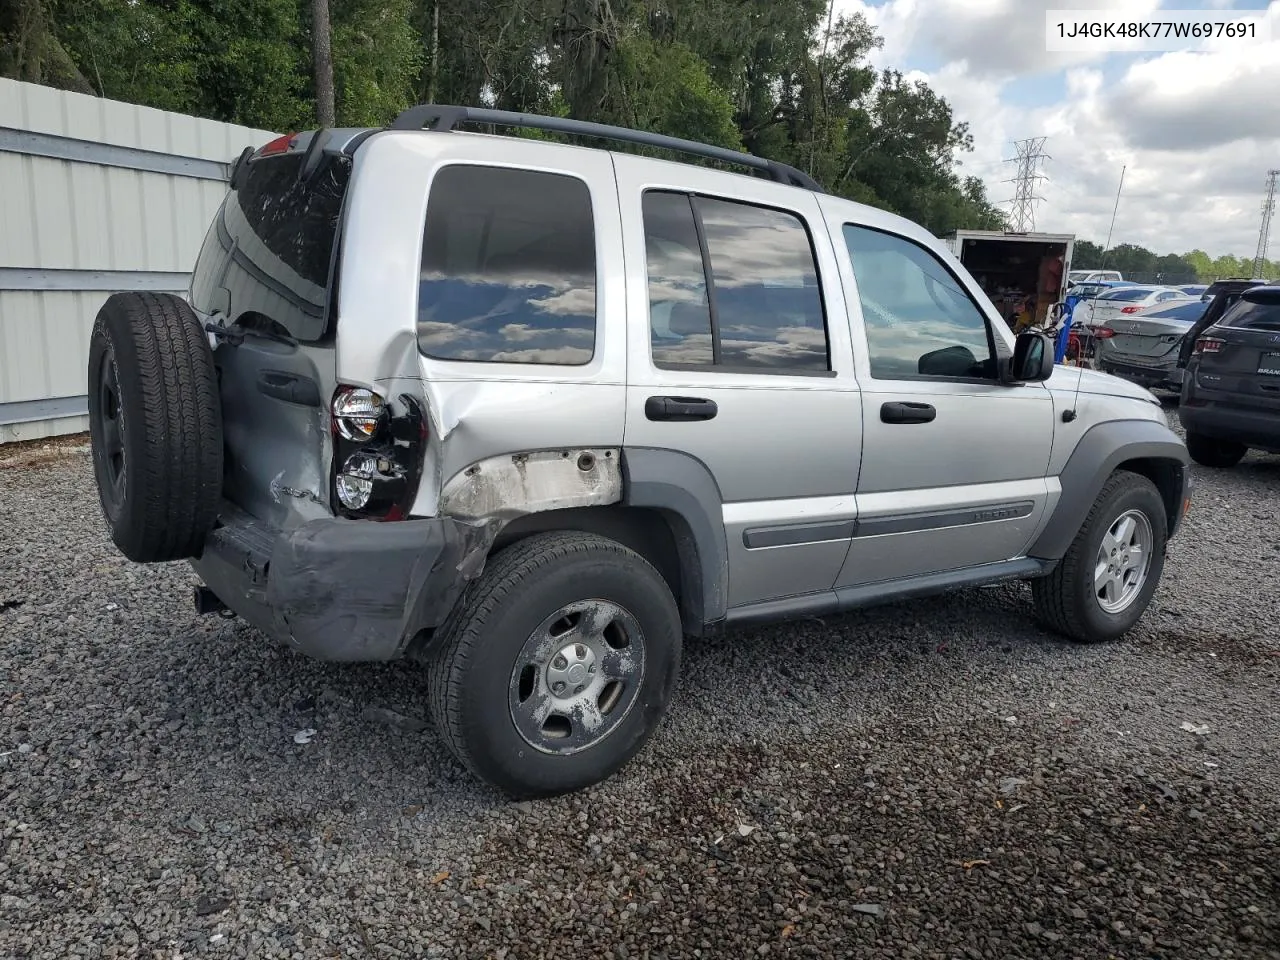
<point x="508" y="271"/>
<point x="732" y="287"/>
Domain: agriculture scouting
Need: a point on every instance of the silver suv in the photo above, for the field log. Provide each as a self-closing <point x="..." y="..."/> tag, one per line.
<point x="532" y="413"/>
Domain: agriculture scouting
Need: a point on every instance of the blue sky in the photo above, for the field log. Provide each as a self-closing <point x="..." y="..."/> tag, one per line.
<point x="1196" y="130"/>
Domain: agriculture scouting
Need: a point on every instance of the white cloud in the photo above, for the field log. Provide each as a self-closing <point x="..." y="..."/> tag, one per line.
<point x="1195" y="131"/>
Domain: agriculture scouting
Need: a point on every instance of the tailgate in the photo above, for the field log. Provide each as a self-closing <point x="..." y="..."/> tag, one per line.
<point x="263" y="277"/>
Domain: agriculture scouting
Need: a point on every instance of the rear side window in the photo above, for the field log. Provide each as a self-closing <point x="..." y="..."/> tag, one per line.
<point x="270" y="249"/>
<point x="732" y="287"/>
<point x="508" y="270"/>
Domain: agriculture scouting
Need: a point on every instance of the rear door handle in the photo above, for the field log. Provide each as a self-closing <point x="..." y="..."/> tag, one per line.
<point x="899" y="412"/>
<point x="680" y="409"/>
<point x="289" y="387"/>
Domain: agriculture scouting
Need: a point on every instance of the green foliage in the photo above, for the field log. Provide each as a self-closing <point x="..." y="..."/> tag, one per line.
<point x="780" y="78"/>
<point x="98" y="30"/>
<point x="1139" y="263"/>
<point x="377" y="59"/>
<point x="250" y="62"/>
<point x="668" y="89"/>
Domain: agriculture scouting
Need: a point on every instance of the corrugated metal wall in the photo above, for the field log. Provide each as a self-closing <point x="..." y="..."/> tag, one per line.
<point x="95" y="196"/>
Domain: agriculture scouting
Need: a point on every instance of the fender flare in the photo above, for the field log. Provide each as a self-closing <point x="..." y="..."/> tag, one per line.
<point x="682" y="488"/>
<point x="1097" y="454"/>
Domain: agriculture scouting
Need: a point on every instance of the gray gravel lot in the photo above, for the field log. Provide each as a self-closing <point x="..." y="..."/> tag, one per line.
<point x="938" y="779"/>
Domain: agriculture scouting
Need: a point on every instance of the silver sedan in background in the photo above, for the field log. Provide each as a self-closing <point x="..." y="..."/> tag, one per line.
<point x="1143" y="347"/>
<point x="1124" y="301"/>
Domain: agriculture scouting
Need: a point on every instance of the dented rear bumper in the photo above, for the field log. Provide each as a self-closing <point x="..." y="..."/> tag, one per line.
<point x="343" y="590"/>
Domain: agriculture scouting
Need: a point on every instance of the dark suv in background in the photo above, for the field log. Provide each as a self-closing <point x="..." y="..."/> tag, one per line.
<point x="1231" y="389"/>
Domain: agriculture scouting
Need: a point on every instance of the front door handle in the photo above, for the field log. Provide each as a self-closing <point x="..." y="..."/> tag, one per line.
<point x="680" y="409"/>
<point x="899" y="412"/>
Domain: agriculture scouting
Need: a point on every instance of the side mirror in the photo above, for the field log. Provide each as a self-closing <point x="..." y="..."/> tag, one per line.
<point x="1032" y="359"/>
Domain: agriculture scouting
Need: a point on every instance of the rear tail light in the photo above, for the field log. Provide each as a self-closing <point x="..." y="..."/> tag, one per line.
<point x="1104" y="333"/>
<point x="1209" y="345"/>
<point x="1130" y="309"/>
<point x="358" y="413"/>
<point x="378" y="449"/>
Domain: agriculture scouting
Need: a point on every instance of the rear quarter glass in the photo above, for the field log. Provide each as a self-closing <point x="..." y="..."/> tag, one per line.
<point x="508" y="272"/>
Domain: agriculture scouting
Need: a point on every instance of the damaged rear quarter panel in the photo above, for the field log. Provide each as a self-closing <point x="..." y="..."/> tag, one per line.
<point x="476" y="410"/>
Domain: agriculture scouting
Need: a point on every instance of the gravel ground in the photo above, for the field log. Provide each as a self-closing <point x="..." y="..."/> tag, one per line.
<point x="939" y="779"/>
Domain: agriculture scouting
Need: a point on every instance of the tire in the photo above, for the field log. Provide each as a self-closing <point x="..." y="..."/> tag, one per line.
<point x="1212" y="452"/>
<point x="480" y="666"/>
<point x="1067" y="600"/>
<point x="155" y="426"/>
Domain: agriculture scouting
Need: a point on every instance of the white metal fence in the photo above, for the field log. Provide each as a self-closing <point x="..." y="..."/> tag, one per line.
<point x="95" y="196"/>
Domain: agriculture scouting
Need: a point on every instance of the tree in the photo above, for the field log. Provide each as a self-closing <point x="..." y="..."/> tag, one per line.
<point x="30" y="49"/>
<point x="785" y="80"/>
<point x="322" y="62"/>
<point x="1201" y="263"/>
<point x="1087" y="255"/>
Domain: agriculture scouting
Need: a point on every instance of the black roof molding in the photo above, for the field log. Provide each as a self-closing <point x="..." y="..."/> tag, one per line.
<point x="443" y="118"/>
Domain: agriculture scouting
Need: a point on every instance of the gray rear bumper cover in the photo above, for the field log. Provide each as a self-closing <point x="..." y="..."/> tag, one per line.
<point x="343" y="590"/>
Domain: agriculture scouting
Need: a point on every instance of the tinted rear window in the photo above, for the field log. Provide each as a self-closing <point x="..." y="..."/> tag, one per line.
<point x="1247" y="315"/>
<point x="270" y="248"/>
<point x="508" y="268"/>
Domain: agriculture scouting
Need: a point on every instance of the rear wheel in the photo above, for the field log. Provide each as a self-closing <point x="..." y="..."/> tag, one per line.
<point x="1103" y="585"/>
<point x="1212" y="452"/>
<point x="155" y="426"/>
<point x="557" y="664"/>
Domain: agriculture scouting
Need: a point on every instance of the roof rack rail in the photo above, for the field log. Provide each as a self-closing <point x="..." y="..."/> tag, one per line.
<point x="442" y="118"/>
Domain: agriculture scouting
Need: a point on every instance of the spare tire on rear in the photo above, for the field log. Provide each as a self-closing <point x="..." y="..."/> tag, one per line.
<point x="155" y="426"/>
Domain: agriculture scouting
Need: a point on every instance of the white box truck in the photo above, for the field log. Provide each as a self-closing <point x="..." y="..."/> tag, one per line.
<point x="1022" y="273"/>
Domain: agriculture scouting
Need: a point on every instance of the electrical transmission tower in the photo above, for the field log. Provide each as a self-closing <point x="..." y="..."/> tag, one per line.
<point x="1029" y="154"/>
<point x="1264" y="235"/>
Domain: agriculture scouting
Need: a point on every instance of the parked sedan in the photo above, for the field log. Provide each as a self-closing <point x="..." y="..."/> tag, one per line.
<point x="1122" y="302"/>
<point x="1193" y="289"/>
<point x="1143" y="347"/>
<point x="1231" y="387"/>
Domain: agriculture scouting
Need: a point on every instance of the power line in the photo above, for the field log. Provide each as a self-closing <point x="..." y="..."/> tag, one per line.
<point x="1022" y="217"/>
<point x="1264" y="235"/>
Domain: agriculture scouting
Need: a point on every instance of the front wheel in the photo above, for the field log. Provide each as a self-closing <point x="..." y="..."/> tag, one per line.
<point x="1105" y="582"/>
<point x="556" y="665"/>
<point x="1212" y="452"/>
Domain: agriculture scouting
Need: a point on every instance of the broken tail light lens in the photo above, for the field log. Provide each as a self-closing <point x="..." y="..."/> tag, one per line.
<point x="1209" y="345"/>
